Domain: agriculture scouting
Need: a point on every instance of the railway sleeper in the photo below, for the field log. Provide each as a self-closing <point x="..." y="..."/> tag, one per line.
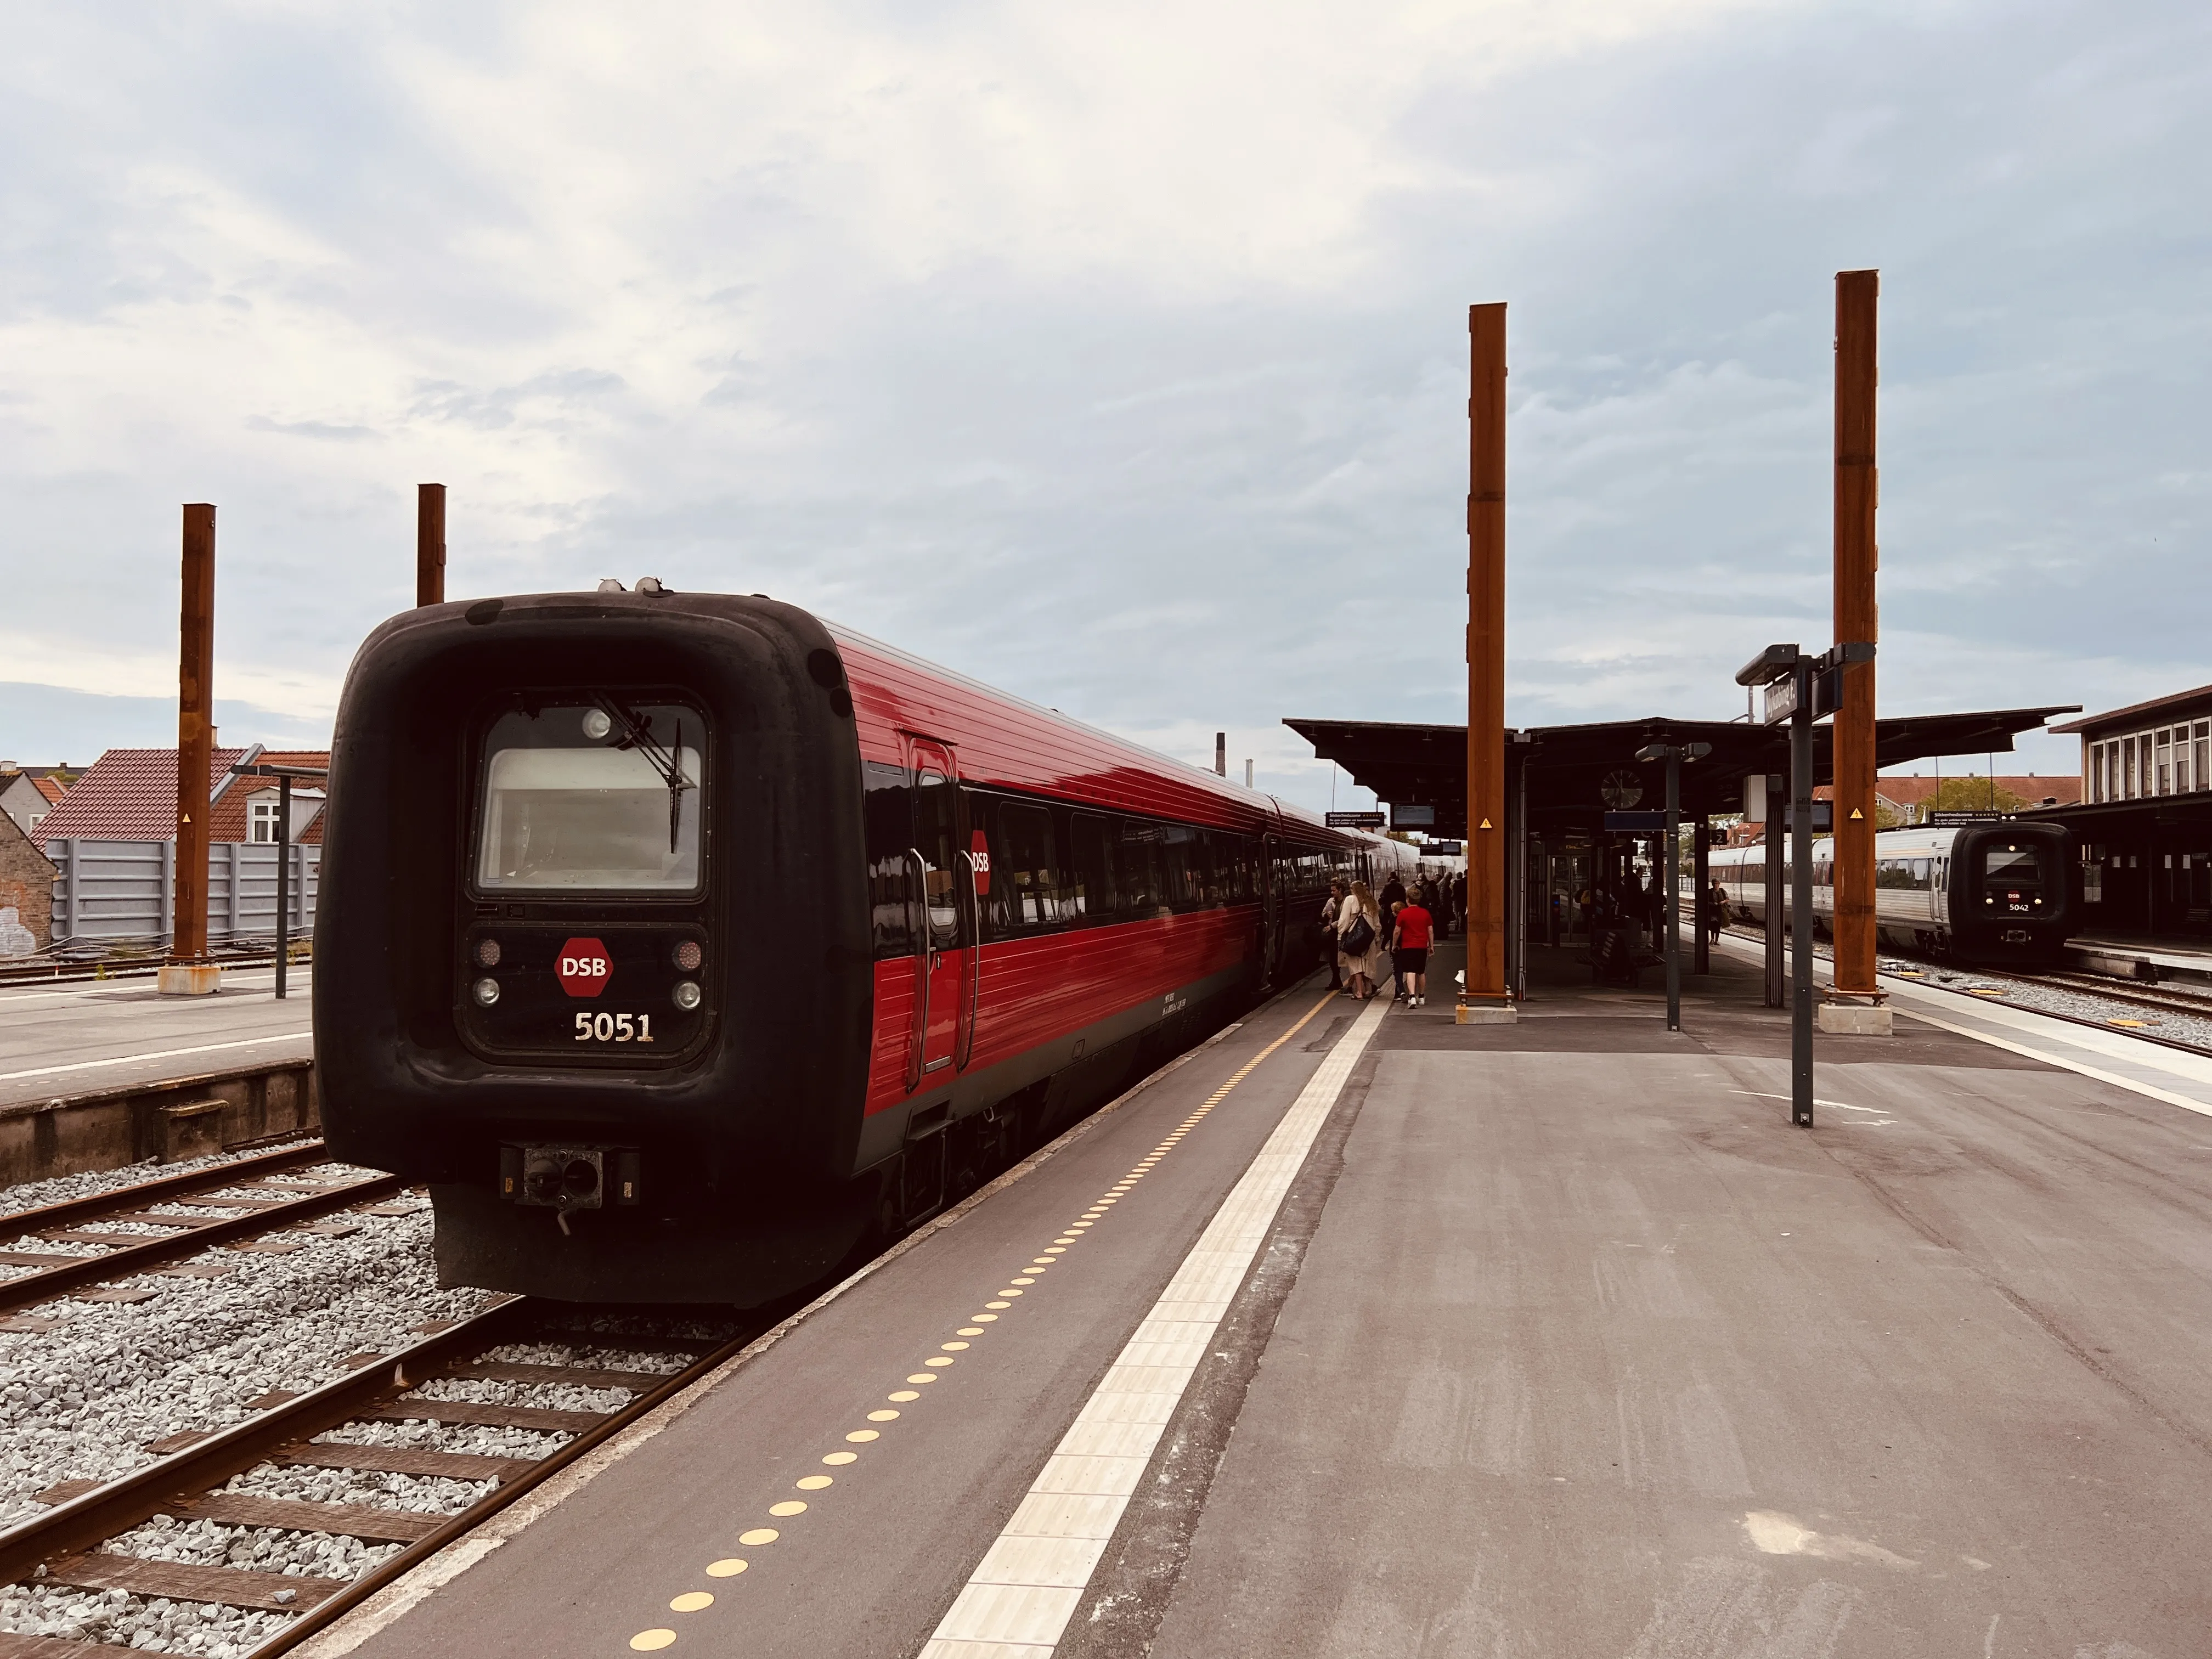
<point x="185" y="1580"/>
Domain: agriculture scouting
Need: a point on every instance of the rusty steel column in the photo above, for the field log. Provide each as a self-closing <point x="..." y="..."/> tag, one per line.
<point x="1856" y="559"/>
<point x="1485" y="995"/>
<point x="187" y="972"/>
<point x="429" y="544"/>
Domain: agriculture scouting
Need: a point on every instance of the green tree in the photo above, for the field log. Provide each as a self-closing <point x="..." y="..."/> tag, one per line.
<point x="1975" y="795"/>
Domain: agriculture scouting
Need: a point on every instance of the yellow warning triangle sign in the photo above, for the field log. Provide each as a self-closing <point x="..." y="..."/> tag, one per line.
<point x="1857" y="814"/>
<point x="1485" y="824"/>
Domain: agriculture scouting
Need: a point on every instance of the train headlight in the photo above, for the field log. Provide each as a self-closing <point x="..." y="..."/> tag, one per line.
<point x="686" y="955"/>
<point x="487" y="953"/>
<point x="485" y="991"/>
<point x="687" y="995"/>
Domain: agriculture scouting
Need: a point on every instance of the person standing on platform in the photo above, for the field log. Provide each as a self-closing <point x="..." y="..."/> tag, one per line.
<point x="1717" y="909"/>
<point x="1409" y="952"/>
<point x="1359" y="921"/>
<point x="1393" y="893"/>
<point x="1329" y="907"/>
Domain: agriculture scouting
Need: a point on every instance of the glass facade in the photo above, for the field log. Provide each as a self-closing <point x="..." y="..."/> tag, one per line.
<point x="2163" y="760"/>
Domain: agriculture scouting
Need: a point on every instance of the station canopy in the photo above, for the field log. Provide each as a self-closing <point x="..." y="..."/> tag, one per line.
<point x="1573" y="774"/>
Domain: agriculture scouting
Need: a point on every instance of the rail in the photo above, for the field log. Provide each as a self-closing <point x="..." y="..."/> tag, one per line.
<point x="63" y="1546"/>
<point x="56" y="1275"/>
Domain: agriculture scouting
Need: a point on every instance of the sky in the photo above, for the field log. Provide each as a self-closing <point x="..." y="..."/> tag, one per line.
<point x="1114" y="355"/>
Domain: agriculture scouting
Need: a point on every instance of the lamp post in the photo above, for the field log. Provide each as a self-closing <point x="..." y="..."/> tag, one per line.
<point x="284" y="775"/>
<point x="1673" y="755"/>
<point x="1801" y="689"/>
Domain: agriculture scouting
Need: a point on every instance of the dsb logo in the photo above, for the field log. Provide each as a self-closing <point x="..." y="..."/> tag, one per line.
<point x="584" y="968"/>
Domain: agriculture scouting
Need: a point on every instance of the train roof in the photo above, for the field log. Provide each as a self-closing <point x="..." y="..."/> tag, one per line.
<point x="1007" y="740"/>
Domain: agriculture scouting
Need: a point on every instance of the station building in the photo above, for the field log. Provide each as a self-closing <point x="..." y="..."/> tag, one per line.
<point x="2145" y="821"/>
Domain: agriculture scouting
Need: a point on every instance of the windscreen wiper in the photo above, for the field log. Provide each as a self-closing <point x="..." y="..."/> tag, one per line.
<point x="668" y="763"/>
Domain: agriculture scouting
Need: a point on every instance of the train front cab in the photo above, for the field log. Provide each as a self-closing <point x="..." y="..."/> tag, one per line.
<point x="592" y="956"/>
<point x="2011" y="893"/>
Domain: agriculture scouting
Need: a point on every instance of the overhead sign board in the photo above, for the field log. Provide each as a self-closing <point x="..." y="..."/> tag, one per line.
<point x="1962" y="820"/>
<point x="1827" y="696"/>
<point x="1635" y="823"/>
<point x="1411" y="817"/>
<point x="1355" y="820"/>
<point x="1443" y="849"/>
<point x="1824" y="816"/>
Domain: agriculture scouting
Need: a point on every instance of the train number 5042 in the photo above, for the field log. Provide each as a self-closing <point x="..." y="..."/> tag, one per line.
<point x="614" y="1028"/>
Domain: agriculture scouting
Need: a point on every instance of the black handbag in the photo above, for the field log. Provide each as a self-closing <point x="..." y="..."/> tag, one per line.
<point x="1359" y="938"/>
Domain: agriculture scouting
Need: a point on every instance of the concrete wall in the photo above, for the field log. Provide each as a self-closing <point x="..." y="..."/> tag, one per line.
<point x="120" y="889"/>
<point x="157" y="1123"/>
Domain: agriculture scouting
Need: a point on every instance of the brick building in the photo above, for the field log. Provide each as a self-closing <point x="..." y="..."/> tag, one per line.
<point x="26" y="893"/>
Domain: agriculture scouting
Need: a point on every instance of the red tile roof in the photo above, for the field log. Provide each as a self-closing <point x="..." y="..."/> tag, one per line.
<point x="129" y="794"/>
<point x="52" y="790"/>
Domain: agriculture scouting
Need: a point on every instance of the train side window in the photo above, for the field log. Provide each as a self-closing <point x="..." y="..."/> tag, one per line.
<point x="1183" y="866"/>
<point x="887" y="814"/>
<point x="1024" y="869"/>
<point x="935" y="814"/>
<point x="1137" y="871"/>
<point x="1090" y="869"/>
<point x="1234" y="869"/>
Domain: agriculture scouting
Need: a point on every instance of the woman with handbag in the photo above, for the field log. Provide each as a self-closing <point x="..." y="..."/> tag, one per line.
<point x="1359" y="940"/>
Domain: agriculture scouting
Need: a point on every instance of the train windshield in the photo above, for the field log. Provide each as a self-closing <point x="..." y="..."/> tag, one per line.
<point x="603" y="797"/>
<point x="2012" y="877"/>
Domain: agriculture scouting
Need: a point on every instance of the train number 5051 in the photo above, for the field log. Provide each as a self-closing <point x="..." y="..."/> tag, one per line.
<point x="614" y="1028"/>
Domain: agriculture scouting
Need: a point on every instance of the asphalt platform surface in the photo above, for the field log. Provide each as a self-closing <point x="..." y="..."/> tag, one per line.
<point x="72" y="1039"/>
<point x="1562" y="1341"/>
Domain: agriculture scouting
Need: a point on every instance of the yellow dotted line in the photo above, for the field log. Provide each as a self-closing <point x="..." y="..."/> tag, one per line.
<point x="650" y="1641"/>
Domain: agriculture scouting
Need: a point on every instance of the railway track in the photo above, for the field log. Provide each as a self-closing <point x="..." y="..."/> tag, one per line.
<point x="264" y="1202"/>
<point x="2073" y="984"/>
<point x="2129" y="991"/>
<point x="64" y="1547"/>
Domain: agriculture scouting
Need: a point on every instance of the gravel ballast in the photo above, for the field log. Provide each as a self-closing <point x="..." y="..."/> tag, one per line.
<point x="2177" y="1025"/>
<point x="123" y="1620"/>
<point x="61" y="1189"/>
<point x="82" y="1402"/>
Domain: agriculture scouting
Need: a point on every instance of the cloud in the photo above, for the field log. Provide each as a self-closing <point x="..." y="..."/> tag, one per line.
<point x="1118" y="356"/>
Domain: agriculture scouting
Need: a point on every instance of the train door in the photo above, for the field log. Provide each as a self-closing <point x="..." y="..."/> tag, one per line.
<point x="943" y="965"/>
<point x="1271" y="910"/>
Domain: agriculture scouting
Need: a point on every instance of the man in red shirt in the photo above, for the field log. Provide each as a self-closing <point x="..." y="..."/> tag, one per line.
<point x="1409" y="952"/>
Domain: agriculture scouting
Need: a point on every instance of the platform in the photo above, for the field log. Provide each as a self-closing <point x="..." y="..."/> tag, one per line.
<point x="69" y="1039"/>
<point x="1548" y="1338"/>
<point x="2130" y="954"/>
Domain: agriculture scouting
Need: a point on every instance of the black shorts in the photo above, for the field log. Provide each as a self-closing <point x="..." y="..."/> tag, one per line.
<point x="1411" y="962"/>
